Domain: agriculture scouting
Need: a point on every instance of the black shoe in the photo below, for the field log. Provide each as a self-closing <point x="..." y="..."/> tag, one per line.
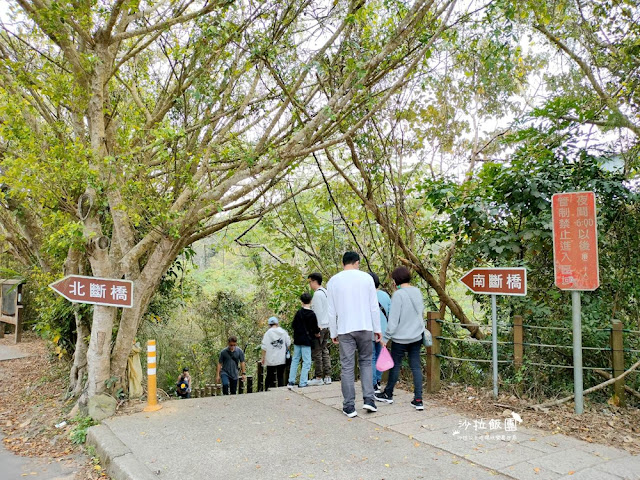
<point x="377" y="388"/>
<point x="370" y="406"/>
<point x="383" y="397"/>
<point x="417" y="403"/>
<point x="350" y="412"/>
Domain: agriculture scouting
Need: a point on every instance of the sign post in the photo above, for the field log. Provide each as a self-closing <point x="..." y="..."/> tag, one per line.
<point x="494" y="344"/>
<point x="576" y="321"/>
<point x="99" y="291"/>
<point x="496" y="281"/>
<point x="575" y="264"/>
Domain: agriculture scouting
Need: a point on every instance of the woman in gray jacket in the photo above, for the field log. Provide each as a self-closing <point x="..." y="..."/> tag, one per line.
<point x="405" y="328"/>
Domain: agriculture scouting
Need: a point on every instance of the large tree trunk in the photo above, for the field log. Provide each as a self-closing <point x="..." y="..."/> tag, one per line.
<point x="144" y="289"/>
<point x="79" y="367"/>
<point x="100" y="349"/>
<point x="73" y="265"/>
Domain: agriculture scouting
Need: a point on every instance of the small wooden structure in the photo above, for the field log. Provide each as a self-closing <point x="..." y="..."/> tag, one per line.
<point x="11" y="306"/>
<point x="215" y="389"/>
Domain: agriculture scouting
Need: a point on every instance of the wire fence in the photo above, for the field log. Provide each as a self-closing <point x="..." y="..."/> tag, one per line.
<point x="568" y="366"/>
<point x="602" y="349"/>
<point x="468" y="340"/>
<point x="479" y="360"/>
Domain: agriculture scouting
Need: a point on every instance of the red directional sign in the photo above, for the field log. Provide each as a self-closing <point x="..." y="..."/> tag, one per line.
<point x="497" y="281"/>
<point x="575" y="241"/>
<point x="99" y="291"/>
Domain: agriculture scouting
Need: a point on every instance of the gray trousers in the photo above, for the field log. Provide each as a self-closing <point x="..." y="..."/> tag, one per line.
<point x="359" y="341"/>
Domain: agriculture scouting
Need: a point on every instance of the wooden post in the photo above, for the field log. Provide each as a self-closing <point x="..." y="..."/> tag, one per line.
<point x="18" y="323"/>
<point x="617" y="359"/>
<point x="518" y="339"/>
<point x="249" y="384"/>
<point x="2" y="325"/>
<point x="260" y="377"/>
<point x="433" y="362"/>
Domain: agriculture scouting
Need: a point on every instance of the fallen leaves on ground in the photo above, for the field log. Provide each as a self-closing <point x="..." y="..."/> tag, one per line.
<point x="32" y="402"/>
<point x="600" y="423"/>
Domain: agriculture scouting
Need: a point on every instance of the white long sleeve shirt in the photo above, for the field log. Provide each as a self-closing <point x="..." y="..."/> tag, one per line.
<point x="275" y="343"/>
<point x="319" y="305"/>
<point x="353" y="303"/>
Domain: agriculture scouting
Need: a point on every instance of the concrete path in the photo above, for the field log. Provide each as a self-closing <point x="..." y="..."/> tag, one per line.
<point x="523" y="454"/>
<point x="14" y="467"/>
<point x="303" y="434"/>
<point x="10" y="352"/>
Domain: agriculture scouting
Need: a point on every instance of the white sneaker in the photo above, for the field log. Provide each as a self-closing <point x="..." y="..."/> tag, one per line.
<point x="327" y="380"/>
<point x="315" y="382"/>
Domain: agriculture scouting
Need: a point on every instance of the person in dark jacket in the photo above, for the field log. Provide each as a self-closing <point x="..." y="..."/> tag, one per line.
<point x="305" y="328"/>
<point x="183" y="385"/>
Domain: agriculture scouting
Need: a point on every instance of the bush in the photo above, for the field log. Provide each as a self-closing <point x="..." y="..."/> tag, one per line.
<point x="81" y="424"/>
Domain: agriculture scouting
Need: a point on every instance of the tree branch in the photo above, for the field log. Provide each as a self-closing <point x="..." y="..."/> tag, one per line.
<point x="168" y="23"/>
<point x="589" y="390"/>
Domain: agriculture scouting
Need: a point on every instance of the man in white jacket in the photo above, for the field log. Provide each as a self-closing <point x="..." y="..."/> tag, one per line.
<point x="275" y="344"/>
<point x="320" y="347"/>
<point x="354" y="316"/>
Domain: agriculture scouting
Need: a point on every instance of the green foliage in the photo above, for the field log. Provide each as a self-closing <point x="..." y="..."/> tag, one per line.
<point x="287" y="283"/>
<point x="81" y="424"/>
<point x="197" y="334"/>
<point x="182" y="151"/>
<point x="504" y="218"/>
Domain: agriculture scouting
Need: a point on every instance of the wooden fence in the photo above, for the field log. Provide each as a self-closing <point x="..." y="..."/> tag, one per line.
<point x="215" y="389"/>
<point x="518" y="328"/>
<point x="517" y="332"/>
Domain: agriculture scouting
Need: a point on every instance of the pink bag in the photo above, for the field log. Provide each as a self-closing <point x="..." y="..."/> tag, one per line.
<point x="384" y="362"/>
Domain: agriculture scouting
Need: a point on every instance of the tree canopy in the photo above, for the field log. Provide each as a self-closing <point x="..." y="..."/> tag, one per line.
<point x="428" y="133"/>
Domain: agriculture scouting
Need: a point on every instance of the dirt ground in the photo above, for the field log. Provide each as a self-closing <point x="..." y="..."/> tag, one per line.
<point x="600" y="423"/>
<point x="32" y="403"/>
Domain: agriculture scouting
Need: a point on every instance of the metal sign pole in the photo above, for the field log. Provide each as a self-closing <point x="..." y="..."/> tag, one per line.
<point x="496" y="281"/>
<point x="577" y="351"/>
<point x="494" y="344"/>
